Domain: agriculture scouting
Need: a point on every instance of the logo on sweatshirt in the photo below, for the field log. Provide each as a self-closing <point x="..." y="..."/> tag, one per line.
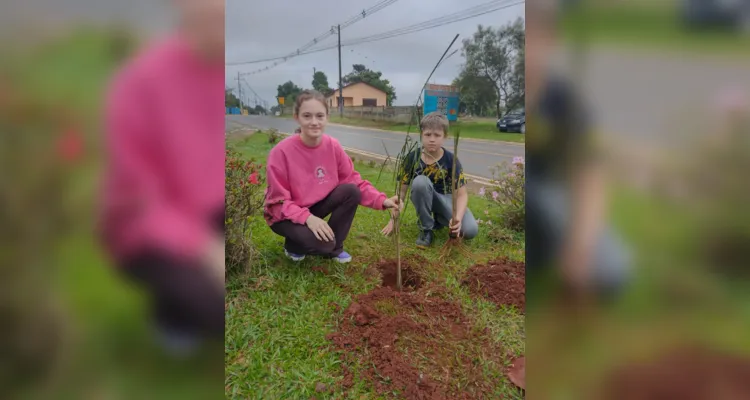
<point x="320" y="173"/>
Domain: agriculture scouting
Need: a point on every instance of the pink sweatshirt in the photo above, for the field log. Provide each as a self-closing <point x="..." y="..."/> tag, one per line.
<point x="300" y="176"/>
<point x="164" y="175"/>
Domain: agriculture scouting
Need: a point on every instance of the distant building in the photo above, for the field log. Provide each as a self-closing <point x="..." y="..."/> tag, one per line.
<point x="358" y="94"/>
<point x="443" y="99"/>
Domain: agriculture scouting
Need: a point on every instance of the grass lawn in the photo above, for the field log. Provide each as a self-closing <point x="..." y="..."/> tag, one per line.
<point x="650" y="25"/>
<point x="671" y="302"/>
<point x="476" y="129"/>
<point x="278" y="313"/>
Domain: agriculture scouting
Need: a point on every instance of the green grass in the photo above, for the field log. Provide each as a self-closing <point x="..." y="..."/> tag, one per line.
<point x="672" y="301"/>
<point x="651" y="26"/>
<point x="278" y="313"/>
<point x="476" y="129"/>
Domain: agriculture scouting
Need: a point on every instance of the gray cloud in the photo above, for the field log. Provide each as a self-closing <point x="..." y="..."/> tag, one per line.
<point x="278" y="28"/>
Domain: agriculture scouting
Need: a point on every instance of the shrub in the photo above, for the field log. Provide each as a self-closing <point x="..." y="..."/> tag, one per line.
<point x="244" y="191"/>
<point x="507" y="196"/>
<point x="273" y="136"/>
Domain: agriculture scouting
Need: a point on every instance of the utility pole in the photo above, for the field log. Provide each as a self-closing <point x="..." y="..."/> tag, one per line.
<point x="239" y="85"/>
<point x="341" y="89"/>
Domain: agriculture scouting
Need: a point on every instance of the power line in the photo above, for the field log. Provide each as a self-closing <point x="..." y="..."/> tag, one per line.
<point x="330" y="32"/>
<point x="472" y="12"/>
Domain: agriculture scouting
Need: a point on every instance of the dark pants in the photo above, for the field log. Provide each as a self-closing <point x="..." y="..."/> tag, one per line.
<point x="341" y="204"/>
<point x="183" y="294"/>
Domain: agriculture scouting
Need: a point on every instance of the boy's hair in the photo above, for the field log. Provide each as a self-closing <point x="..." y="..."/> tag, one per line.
<point x="436" y="121"/>
<point x="309" y="95"/>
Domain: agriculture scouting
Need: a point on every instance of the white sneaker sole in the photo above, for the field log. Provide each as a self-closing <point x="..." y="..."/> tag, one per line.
<point x="342" y="260"/>
<point x="294" y="258"/>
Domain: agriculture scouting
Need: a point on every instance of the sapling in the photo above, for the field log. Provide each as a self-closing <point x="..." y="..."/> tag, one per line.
<point x="454" y="241"/>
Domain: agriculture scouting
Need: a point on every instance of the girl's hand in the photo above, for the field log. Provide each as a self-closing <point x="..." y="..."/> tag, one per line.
<point x="388" y="229"/>
<point x="320" y="229"/>
<point x="391" y="202"/>
<point x="213" y="258"/>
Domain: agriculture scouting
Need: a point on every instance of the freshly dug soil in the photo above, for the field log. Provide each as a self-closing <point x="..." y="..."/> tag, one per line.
<point x="420" y="345"/>
<point x="686" y="374"/>
<point x="517" y="372"/>
<point x="501" y="281"/>
<point x="410" y="279"/>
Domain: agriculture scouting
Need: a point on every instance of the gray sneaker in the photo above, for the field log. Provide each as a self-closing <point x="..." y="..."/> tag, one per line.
<point x="425" y="239"/>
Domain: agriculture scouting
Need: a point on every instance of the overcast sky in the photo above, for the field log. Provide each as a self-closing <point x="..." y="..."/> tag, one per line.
<point x="280" y="27"/>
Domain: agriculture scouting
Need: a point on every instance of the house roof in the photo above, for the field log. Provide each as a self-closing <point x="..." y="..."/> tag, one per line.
<point x="355" y="83"/>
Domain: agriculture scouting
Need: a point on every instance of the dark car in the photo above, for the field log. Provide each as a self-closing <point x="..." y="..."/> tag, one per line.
<point x="732" y="14"/>
<point x="514" y="121"/>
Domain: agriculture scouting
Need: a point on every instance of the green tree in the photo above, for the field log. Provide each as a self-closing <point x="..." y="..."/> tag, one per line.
<point x="320" y="83"/>
<point x="289" y="91"/>
<point x="497" y="56"/>
<point x="478" y="96"/>
<point x="259" y="110"/>
<point x="230" y="100"/>
<point x="361" y="73"/>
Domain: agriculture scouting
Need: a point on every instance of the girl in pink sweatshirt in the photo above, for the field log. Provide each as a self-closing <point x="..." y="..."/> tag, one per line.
<point x="162" y="219"/>
<point x="310" y="177"/>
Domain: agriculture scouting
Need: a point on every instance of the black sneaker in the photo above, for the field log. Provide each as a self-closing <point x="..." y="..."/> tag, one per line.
<point x="424" y="239"/>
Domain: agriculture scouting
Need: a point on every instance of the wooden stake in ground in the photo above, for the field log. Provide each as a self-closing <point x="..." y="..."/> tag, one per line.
<point x="454" y="183"/>
<point x="454" y="241"/>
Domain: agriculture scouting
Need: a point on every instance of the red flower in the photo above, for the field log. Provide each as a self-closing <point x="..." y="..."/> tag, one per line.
<point x="70" y="145"/>
<point x="253" y="178"/>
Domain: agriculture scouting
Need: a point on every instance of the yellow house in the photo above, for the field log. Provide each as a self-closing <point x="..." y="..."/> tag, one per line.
<point x="358" y="94"/>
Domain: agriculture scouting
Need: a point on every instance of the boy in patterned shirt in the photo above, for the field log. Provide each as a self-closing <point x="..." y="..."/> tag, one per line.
<point x="429" y="171"/>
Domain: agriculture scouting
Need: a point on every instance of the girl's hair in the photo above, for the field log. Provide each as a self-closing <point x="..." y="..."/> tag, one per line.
<point x="309" y="95"/>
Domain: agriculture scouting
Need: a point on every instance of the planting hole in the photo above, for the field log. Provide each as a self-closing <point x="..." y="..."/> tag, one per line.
<point x="409" y="277"/>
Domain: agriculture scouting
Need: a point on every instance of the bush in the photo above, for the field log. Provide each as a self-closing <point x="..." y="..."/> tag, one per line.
<point x="244" y="191"/>
<point x="507" y="196"/>
<point x="273" y="136"/>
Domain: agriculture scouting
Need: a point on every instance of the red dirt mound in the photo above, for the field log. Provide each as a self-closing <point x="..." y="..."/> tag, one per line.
<point x="420" y="345"/>
<point x="500" y="281"/>
<point x="686" y="374"/>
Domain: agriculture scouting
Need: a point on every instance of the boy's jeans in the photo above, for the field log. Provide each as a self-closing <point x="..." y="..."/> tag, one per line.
<point x="432" y="206"/>
<point x="547" y="221"/>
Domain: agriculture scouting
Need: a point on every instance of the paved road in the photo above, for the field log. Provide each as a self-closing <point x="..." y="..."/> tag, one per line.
<point x="477" y="157"/>
<point x="649" y="98"/>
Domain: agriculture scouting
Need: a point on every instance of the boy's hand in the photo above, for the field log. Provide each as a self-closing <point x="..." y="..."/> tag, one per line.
<point x="455" y="227"/>
<point x="388" y="229"/>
